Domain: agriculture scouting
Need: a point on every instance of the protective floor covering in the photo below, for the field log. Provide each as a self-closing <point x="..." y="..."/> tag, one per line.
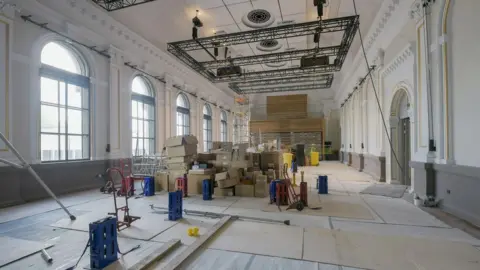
<point x="392" y="191"/>
<point x="332" y="208"/>
<point x="145" y="228"/>
<point x="387" y="252"/>
<point x="260" y="238"/>
<point x="12" y="249"/>
<point x="180" y="230"/>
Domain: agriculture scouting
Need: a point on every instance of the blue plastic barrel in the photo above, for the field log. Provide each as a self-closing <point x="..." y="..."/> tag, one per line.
<point x="322" y="184"/>
<point x="148" y="186"/>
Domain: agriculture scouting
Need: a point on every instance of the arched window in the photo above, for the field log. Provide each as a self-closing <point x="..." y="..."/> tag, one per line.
<point x="183" y="115"/>
<point x="207" y="128"/>
<point x="64" y="104"/>
<point x="223" y="127"/>
<point x="143" y="117"/>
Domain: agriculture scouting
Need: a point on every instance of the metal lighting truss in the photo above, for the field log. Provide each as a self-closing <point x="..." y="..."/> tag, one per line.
<point x="279" y="32"/>
<point x="322" y="78"/>
<point x="302" y="87"/>
<point x="271" y="57"/>
<point x="287" y="72"/>
<point x="112" y="5"/>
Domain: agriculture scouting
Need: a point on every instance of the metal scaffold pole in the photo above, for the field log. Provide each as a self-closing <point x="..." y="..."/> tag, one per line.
<point x="24" y="165"/>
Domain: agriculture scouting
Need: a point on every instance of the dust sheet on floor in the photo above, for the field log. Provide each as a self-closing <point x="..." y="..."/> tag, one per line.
<point x="12" y="249"/>
<point x="392" y="191"/>
<point x="387" y="252"/>
<point x="179" y="231"/>
<point x="147" y="227"/>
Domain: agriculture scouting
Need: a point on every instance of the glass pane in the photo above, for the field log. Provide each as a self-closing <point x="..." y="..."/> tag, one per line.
<point x="49" y="119"/>
<point x="134" y="108"/>
<point x="75" y="147"/>
<point x="86" y="147"/>
<point x="146" y="129"/>
<point x="186" y="131"/>
<point x="134" y="128"/>
<point x="139" y="147"/>
<point x="180" y="119"/>
<point x="140" y="129"/>
<point x="209" y="124"/>
<point x="151" y="132"/>
<point x="74" y="96"/>
<point x="150" y="112"/>
<point x="204" y="124"/>
<point x="63" y="93"/>
<point x="152" y="146"/>
<point x="74" y="121"/>
<point x="59" y="56"/>
<point x="181" y="101"/>
<point x="179" y="130"/>
<point x="85" y="122"/>
<point x="146" y="147"/>
<point x="140" y="86"/>
<point x="49" y="147"/>
<point x="49" y="90"/>
<point x="134" y="146"/>
<point x="63" y="149"/>
<point x="145" y="111"/>
<point x="140" y="110"/>
<point x="63" y="120"/>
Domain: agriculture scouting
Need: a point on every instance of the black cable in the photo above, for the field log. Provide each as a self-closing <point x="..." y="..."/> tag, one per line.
<point x="376" y="96"/>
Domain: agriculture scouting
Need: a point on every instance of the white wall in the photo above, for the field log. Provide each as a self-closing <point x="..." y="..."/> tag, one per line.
<point x="20" y="46"/>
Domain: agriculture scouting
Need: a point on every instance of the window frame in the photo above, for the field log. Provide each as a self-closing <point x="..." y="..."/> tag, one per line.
<point x="144" y="100"/>
<point x="207" y="128"/>
<point x="81" y="80"/>
<point x="183" y="112"/>
<point x="223" y="127"/>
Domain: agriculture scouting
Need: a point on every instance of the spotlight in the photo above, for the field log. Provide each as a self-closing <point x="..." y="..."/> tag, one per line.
<point x="196" y="21"/>
<point x="319" y="4"/>
<point x="194" y="32"/>
<point x="316" y="36"/>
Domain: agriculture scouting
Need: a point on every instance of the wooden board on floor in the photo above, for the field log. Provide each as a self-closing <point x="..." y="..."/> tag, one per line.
<point x="182" y="257"/>
<point x="12" y="249"/>
<point x="387" y="252"/>
<point x="260" y="238"/>
<point x="145" y="228"/>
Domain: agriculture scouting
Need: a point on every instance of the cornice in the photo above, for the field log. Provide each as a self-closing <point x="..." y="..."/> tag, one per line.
<point x="398" y="61"/>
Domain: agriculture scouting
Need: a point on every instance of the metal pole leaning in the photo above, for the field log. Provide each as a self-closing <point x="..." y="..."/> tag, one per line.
<point x="29" y="168"/>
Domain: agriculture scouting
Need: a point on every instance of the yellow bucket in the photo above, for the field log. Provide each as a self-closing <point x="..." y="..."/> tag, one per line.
<point x="287" y="158"/>
<point x="314" y="158"/>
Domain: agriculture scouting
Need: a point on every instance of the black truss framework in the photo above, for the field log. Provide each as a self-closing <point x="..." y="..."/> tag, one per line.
<point x="271" y="57"/>
<point x="288" y="80"/>
<point x="287" y="72"/>
<point x="349" y="25"/>
<point x="316" y="86"/>
<point x="279" y="32"/>
<point x="112" y="5"/>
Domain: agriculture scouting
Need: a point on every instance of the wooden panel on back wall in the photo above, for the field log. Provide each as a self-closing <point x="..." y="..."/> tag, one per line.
<point x="288" y="106"/>
<point x="287" y="125"/>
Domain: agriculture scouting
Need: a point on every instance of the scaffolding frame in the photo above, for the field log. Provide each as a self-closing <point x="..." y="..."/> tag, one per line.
<point x="241" y="133"/>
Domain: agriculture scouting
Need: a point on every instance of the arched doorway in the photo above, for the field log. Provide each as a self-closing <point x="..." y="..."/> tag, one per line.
<point x="401" y="138"/>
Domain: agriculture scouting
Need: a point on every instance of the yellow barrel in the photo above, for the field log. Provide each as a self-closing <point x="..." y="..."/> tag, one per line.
<point x="287" y="158"/>
<point x="314" y="157"/>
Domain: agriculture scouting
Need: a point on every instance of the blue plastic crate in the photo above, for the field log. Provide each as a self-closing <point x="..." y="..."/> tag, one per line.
<point x="103" y="242"/>
<point x="322" y="184"/>
<point x="175" y="205"/>
<point x="207" y="189"/>
<point x="148" y="186"/>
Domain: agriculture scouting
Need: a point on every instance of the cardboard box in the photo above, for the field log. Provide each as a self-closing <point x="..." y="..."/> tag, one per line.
<point x="205" y="157"/>
<point x="182" y="150"/>
<point x="195" y="182"/>
<point x="222" y="192"/>
<point x="261" y="178"/>
<point x="261" y="189"/>
<point x="179" y="166"/>
<point x="245" y="190"/>
<point x="229" y="182"/>
<point x="221" y="176"/>
<point x="202" y="171"/>
<point x="223" y="156"/>
<point x="227" y="146"/>
<point x="181" y="140"/>
<point x="161" y="181"/>
<point x="184" y="159"/>
<point x="239" y="164"/>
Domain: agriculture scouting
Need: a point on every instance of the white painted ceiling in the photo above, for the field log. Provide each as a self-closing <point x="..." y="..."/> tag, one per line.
<point x="164" y="21"/>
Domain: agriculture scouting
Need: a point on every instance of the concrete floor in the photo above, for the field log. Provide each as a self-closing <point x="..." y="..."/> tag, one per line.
<point x="392" y="222"/>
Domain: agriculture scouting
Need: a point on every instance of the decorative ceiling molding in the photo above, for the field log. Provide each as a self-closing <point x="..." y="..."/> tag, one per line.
<point x="138" y="46"/>
<point x="398" y="61"/>
<point x="383" y="17"/>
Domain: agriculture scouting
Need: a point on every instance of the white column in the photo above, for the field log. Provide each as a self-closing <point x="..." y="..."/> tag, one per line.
<point x="170" y="107"/>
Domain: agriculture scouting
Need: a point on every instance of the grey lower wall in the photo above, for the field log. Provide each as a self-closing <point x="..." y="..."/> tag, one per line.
<point x="456" y="186"/>
<point x="375" y="166"/>
<point x="357" y="161"/>
<point x="17" y="186"/>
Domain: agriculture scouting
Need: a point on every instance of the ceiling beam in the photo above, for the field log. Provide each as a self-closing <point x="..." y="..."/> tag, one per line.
<point x="288" y="80"/>
<point x="279" y="32"/>
<point x="271" y="57"/>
